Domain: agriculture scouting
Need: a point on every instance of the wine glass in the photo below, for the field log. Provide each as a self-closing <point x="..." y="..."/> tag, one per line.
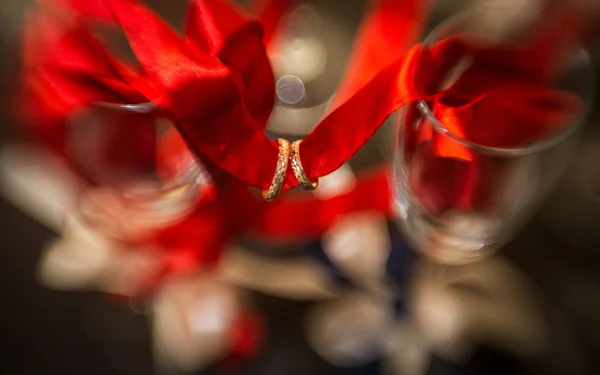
<point x="140" y="170"/>
<point x="141" y="178"/>
<point x="506" y="184"/>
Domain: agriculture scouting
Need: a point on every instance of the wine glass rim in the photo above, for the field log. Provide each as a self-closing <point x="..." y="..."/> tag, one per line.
<point x="587" y="97"/>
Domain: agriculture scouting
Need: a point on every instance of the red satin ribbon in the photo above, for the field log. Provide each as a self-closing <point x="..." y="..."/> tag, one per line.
<point x="286" y="218"/>
<point x="72" y="38"/>
<point x="217" y="85"/>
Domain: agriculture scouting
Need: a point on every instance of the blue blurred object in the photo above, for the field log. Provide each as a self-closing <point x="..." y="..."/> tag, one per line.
<point x="397" y="269"/>
<point x="401" y="260"/>
<point x="315" y="251"/>
<point x="398" y="266"/>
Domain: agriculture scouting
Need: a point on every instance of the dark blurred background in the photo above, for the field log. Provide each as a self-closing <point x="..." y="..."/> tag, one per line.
<point x="43" y="331"/>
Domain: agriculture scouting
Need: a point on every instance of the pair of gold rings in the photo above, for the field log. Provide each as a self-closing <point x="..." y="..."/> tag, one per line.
<point x="287" y="153"/>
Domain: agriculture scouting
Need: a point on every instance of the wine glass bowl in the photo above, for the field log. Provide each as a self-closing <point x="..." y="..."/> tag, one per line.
<point x="132" y="153"/>
<point x="460" y="210"/>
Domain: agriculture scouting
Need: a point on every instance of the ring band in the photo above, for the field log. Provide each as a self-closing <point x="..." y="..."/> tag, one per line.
<point x="282" y="164"/>
<point x="299" y="170"/>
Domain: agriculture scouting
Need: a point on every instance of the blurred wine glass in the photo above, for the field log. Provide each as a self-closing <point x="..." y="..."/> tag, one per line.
<point x="443" y="226"/>
<point x="141" y="172"/>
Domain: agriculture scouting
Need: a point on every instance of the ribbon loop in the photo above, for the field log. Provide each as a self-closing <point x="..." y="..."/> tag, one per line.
<point x="218" y="85"/>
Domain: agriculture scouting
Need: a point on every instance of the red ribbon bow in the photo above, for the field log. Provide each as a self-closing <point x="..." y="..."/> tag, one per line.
<point x="216" y="82"/>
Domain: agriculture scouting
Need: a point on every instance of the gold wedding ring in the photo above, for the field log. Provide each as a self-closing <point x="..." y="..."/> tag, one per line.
<point x="280" y="169"/>
<point x="299" y="170"/>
